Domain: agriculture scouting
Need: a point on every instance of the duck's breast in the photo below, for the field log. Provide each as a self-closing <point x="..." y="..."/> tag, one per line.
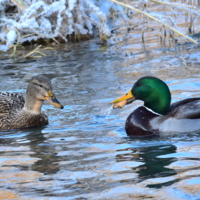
<point x="138" y="122"/>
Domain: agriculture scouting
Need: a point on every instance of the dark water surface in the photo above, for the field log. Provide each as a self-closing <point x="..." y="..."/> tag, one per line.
<point x="84" y="152"/>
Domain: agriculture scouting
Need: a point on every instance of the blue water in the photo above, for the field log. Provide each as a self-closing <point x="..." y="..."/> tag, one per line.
<point x="84" y="153"/>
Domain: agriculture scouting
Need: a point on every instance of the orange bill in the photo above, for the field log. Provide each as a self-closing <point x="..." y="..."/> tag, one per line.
<point x="51" y="98"/>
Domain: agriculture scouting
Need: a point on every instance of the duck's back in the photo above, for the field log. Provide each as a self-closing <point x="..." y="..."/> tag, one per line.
<point x="10" y="104"/>
<point x="12" y="114"/>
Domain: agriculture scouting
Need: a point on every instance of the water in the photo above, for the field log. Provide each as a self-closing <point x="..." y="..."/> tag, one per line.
<point x="84" y="152"/>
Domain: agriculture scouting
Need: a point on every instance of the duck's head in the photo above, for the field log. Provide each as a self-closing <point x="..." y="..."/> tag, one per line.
<point x="153" y="91"/>
<point x="40" y="89"/>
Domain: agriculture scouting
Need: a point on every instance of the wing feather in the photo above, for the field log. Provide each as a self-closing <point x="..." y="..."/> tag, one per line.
<point x="10" y="103"/>
<point x="186" y="109"/>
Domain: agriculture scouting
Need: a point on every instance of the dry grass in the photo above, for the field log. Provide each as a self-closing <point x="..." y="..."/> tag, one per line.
<point x="188" y="9"/>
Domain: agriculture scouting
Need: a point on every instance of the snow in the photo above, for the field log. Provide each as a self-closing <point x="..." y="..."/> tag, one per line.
<point x="60" y="18"/>
<point x="48" y="19"/>
<point x="11" y="36"/>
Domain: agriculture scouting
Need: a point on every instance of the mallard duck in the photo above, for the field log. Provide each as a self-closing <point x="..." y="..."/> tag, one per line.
<point x="19" y="112"/>
<point x="158" y="115"/>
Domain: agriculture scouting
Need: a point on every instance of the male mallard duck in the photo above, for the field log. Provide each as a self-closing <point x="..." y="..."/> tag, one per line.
<point x="19" y="112"/>
<point x="157" y="115"/>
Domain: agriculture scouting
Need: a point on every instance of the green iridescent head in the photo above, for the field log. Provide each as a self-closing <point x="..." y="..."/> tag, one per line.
<point x="153" y="91"/>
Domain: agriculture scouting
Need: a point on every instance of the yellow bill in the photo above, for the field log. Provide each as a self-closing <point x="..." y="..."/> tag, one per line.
<point x="122" y="101"/>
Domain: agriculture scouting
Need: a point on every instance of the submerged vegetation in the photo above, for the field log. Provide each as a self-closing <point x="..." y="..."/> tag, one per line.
<point x="59" y="21"/>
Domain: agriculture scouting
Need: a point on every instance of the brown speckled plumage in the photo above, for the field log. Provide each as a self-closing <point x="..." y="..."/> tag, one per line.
<point x="15" y="113"/>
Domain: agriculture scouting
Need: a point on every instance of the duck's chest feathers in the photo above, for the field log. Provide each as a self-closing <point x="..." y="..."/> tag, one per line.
<point x="28" y="119"/>
<point x="138" y="122"/>
<point x="24" y="119"/>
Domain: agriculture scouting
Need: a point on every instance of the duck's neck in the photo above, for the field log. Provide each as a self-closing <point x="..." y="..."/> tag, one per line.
<point x="159" y="104"/>
<point x="32" y="104"/>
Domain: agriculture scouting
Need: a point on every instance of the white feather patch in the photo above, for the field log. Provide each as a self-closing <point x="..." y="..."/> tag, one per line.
<point x="176" y="125"/>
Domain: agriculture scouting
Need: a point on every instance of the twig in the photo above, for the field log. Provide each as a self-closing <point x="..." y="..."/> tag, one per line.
<point x="34" y="51"/>
<point x="180" y="7"/>
<point x="150" y="16"/>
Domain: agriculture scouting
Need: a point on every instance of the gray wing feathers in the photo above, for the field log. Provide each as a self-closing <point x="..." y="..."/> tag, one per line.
<point x="190" y="110"/>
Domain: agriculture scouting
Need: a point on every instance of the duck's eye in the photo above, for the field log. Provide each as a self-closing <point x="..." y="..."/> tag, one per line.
<point x="139" y="84"/>
<point x="40" y="85"/>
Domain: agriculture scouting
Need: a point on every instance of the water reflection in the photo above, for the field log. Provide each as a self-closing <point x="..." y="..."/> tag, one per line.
<point x="152" y="166"/>
<point x="84" y="152"/>
<point x="46" y="154"/>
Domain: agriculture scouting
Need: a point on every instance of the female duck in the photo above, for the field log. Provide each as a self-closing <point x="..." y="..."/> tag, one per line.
<point x="19" y="112"/>
<point x="158" y="115"/>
